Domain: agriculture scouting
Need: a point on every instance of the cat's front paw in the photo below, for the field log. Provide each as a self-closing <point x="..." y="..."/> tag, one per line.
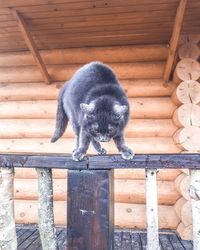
<point x="127" y="154"/>
<point x="102" y="152"/>
<point x="77" y="155"/>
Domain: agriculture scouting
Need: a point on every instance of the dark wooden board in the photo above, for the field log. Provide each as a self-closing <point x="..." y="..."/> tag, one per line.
<point x="62" y="161"/>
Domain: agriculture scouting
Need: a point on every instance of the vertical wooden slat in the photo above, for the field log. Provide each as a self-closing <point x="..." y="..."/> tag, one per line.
<point x="195" y="198"/>
<point x="45" y="209"/>
<point x="31" y="45"/>
<point x="152" y="210"/>
<point x="174" y="39"/>
<point x="8" y="239"/>
<point x="90" y="212"/>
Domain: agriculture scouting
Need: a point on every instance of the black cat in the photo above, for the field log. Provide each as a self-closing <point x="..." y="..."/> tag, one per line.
<point x="97" y="107"/>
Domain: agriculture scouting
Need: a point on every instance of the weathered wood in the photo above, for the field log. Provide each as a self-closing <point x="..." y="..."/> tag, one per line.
<point x="45" y="209"/>
<point x="168" y="161"/>
<point x="182" y="185"/>
<point x="174" y="39"/>
<point x="184" y="232"/>
<point x="195" y="198"/>
<point x="8" y="238"/>
<point x="152" y="210"/>
<point x="31" y="45"/>
<point x="90" y="212"/>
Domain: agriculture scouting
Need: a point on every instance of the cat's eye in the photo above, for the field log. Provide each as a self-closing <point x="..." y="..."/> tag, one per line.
<point x="117" y="117"/>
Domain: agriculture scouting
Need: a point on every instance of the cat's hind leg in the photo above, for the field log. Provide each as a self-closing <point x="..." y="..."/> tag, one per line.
<point x="98" y="148"/>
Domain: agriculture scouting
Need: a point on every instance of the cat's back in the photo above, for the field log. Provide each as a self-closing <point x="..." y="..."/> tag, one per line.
<point x="93" y="73"/>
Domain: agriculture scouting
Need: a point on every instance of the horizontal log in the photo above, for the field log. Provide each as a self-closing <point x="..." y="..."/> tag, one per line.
<point x="117" y="54"/>
<point x="188" y="138"/>
<point x="132" y="174"/>
<point x="186" y="69"/>
<point x="187" y="92"/>
<point x="144" y="87"/>
<point x="126" y="215"/>
<point x="187" y="115"/>
<point x="44" y="128"/>
<point x="160" y="107"/>
<point x="40" y="91"/>
<point x="139" y="174"/>
<point x="148" y="145"/>
<point x="27" y="173"/>
<point x="140" y="70"/>
<point x="126" y="191"/>
<point x="27" y="189"/>
<point x="182" y="185"/>
<point x="189" y="50"/>
<point x="133" y="191"/>
<point x="184" y="232"/>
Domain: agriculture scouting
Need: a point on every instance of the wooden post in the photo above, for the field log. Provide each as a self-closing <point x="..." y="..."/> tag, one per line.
<point x="8" y="239"/>
<point x="152" y="210"/>
<point x="45" y="209"/>
<point x="174" y="39"/>
<point x="195" y="198"/>
<point x="31" y="45"/>
<point x="90" y="212"/>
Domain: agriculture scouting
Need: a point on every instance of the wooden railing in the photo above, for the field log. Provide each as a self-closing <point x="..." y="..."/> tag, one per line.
<point x="90" y="199"/>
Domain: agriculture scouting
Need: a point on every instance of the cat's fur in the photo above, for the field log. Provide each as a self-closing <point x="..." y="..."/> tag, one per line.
<point x="97" y="107"/>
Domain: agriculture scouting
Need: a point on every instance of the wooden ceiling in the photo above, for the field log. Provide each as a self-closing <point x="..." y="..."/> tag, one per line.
<point x="77" y="23"/>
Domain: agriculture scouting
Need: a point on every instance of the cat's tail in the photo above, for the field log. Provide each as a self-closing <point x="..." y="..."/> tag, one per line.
<point x="61" y="118"/>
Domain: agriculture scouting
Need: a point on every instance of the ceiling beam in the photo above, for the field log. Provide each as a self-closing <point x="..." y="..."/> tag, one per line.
<point x="31" y="45"/>
<point x="174" y="39"/>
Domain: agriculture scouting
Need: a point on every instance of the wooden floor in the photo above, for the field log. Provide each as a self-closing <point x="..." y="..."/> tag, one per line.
<point x="28" y="238"/>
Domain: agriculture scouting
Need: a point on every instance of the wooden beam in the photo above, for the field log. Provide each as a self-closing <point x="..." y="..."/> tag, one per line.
<point x="174" y="39"/>
<point x="64" y="161"/>
<point x="90" y="211"/>
<point x="31" y="45"/>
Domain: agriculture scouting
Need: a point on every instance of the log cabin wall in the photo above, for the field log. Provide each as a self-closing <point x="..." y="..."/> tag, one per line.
<point x="27" y="111"/>
<point x="132" y="37"/>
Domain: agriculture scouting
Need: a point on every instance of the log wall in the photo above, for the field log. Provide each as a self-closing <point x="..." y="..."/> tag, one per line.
<point x="186" y="117"/>
<point x="27" y="118"/>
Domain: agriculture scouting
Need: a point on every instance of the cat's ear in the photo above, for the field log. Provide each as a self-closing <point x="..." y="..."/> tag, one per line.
<point x="120" y="109"/>
<point x="87" y="108"/>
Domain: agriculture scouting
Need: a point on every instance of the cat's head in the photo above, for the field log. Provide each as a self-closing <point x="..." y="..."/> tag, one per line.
<point x="104" y="122"/>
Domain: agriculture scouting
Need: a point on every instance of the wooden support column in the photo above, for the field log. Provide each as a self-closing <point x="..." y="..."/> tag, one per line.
<point x="90" y="211"/>
<point x="31" y="45"/>
<point x="152" y="210"/>
<point x="45" y="209"/>
<point x="174" y="39"/>
<point x="8" y="239"/>
<point x="195" y="198"/>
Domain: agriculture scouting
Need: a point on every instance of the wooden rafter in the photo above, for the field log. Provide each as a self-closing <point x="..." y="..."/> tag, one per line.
<point x="174" y="39"/>
<point x="31" y="45"/>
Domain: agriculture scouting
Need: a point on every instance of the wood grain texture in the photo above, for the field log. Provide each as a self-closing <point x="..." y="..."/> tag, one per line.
<point x="90" y="215"/>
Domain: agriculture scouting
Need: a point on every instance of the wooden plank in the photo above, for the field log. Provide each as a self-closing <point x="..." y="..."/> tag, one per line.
<point x="31" y="45"/>
<point x="25" y="236"/>
<point x="175" y="242"/>
<point x="90" y="214"/>
<point x="118" y="240"/>
<point x="126" y="240"/>
<point x="136" y="241"/>
<point x="164" y="242"/>
<point x="174" y="39"/>
<point x="28" y="242"/>
<point x="64" y="161"/>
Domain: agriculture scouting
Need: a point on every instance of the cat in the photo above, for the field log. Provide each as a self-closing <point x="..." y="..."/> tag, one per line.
<point x="97" y="107"/>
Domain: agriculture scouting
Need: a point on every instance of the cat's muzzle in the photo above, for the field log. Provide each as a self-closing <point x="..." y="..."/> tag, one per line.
<point x="102" y="138"/>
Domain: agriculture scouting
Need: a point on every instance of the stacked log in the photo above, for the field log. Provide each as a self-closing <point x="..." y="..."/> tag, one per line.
<point x="129" y="197"/>
<point x="27" y="115"/>
<point x="187" y="118"/>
